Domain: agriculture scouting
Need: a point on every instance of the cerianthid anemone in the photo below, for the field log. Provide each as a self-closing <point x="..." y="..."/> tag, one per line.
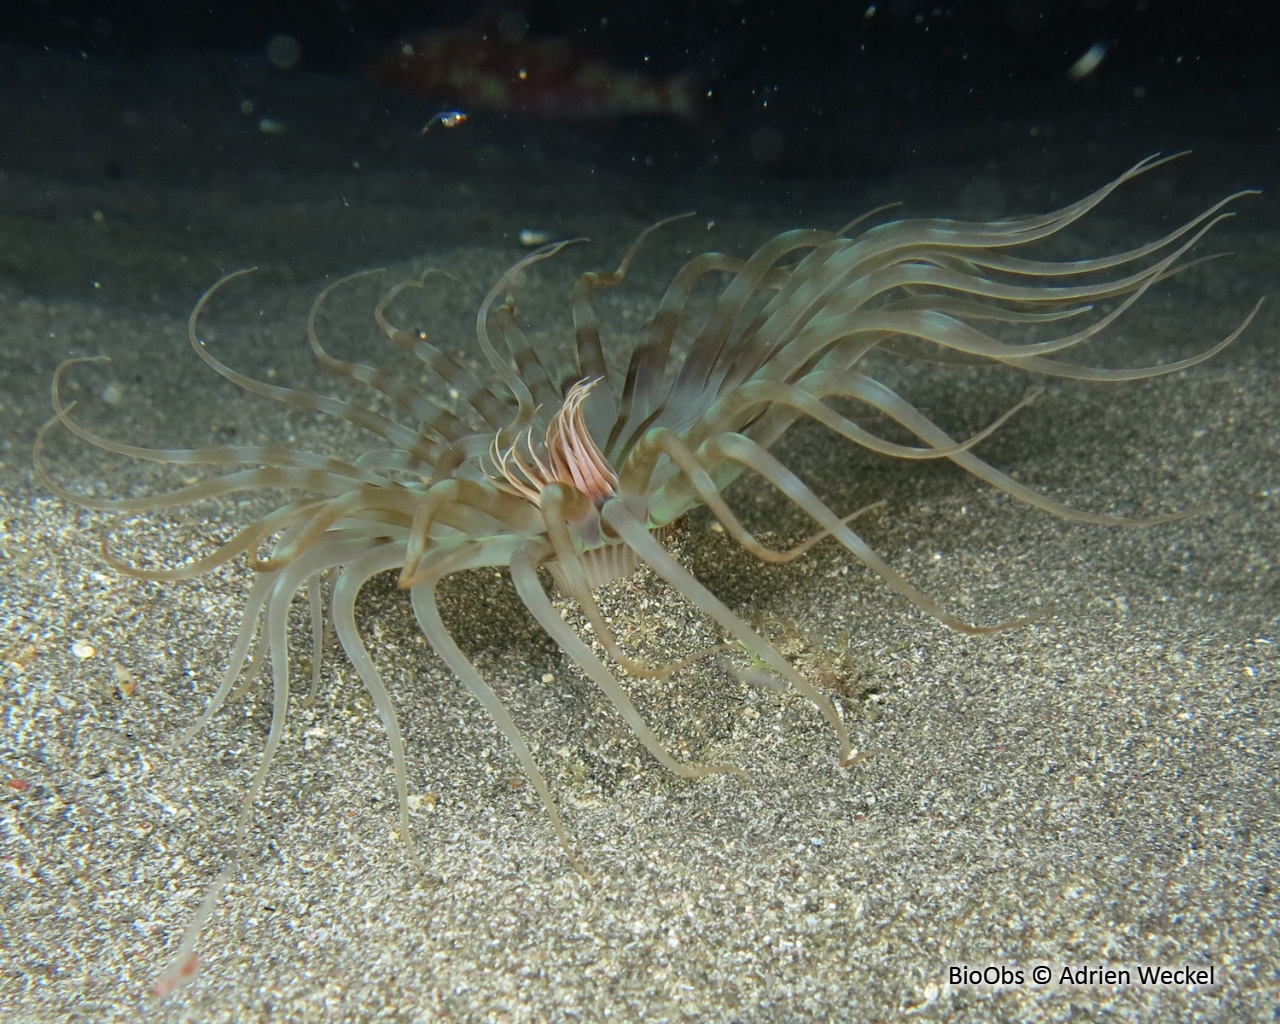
<point x="584" y="474"/>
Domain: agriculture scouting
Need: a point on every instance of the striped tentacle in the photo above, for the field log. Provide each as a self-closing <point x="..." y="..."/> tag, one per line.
<point x="1023" y="229"/>
<point x="329" y="472"/>
<point x="754" y="346"/>
<point x="327" y="519"/>
<point x="579" y="572"/>
<point x="1003" y="262"/>
<point x="468" y="508"/>
<point x="389" y="430"/>
<point x="245" y="661"/>
<point x="691" y="480"/>
<point x="495" y="412"/>
<point x="435" y="420"/>
<point x="643" y="394"/>
<point x="698" y="478"/>
<point x="526" y="407"/>
<point x="603" y="412"/>
<point x="706" y="355"/>
<point x="843" y="279"/>
<point x="351" y="580"/>
<point x="245" y="541"/>
<point x="427" y="612"/>
<point x="1054" y="368"/>
<point x="544" y="392"/>
<point x="267" y="610"/>
<point x="915" y="350"/>
<point x="883" y="399"/>
<point x="809" y="348"/>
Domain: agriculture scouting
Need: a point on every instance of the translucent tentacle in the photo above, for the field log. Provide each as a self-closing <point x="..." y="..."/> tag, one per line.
<point x="525" y="578"/>
<point x="427" y="613"/>
<point x="636" y="534"/>
<point x="351" y="579"/>
<point x="759" y="461"/>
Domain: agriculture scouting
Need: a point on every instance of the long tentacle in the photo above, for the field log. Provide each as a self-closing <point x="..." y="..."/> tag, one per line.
<point x="744" y="450"/>
<point x="495" y="412"/>
<point x="571" y="569"/>
<point x="695" y="472"/>
<point x="427" y="612"/>
<point x="354" y="413"/>
<point x="351" y="579"/>
<point x="636" y="534"/>
<point x="502" y="365"/>
<point x="586" y="329"/>
<point x="525" y="578"/>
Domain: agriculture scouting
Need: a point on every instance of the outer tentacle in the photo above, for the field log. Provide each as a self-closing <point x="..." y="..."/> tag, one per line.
<point x="502" y="366"/>
<point x="755" y="458"/>
<point x="351" y="579"/>
<point x="571" y="569"/>
<point x="694" y="470"/>
<point x="635" y="533"/>
<point x="586" y="327"/>
<point x="525" y="578"/>
<point x="428" y="615"/>
<point x="352" y="412"/>
<point x="495" y="412"/>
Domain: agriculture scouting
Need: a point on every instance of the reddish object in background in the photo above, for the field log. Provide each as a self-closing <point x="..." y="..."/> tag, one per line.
<point x="480" y="67"/>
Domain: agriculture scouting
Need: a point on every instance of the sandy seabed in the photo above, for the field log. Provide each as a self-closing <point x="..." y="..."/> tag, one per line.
<point x="1095" y="790"/>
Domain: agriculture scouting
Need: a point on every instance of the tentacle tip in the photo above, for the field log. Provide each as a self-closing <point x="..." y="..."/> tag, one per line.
<point x="175" y="743"/>
<point x="1002" y="627"/>
<point x="973" y="629"/>
<point x="721" y="769"/>
<point x="411" y="851"/>
<point x="181" y="972"/>
<point x="410" y="576"/>
<point x="762" y="678"/>
<point x="1174" y="517"/>
<point x="852" y="758"/>
<point x="584" y="872"/>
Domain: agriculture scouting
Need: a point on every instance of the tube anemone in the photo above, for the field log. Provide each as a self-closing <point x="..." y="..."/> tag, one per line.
<point x="586" y="474"/>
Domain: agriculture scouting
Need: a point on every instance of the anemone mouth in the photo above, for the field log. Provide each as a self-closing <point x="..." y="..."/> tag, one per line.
<point x="570" y="455"/>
